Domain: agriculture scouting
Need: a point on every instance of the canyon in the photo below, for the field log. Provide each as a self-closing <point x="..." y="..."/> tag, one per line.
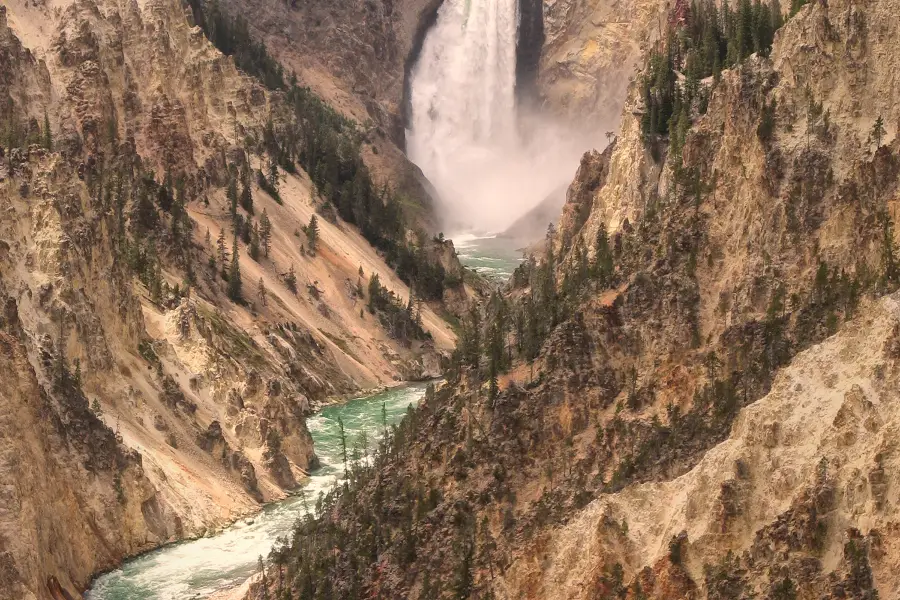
<point x="221" y="218"/>
<point x="692" y="382"/>
<point x="144" y="405"/>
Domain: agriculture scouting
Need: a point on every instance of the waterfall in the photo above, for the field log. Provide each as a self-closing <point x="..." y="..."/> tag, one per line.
<point x="488" y="163"/>
<point x="462" y="95"/>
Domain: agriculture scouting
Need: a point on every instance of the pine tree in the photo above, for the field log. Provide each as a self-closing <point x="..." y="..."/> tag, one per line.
<point x="261" y="292"/>
<point x="603" y="258"/>
<point x="273" y="174"/>
<point x="265" y="232"/>
<point x="312" y="234"/>
<point x="777" y="16"/>
<point x="246" y="198"/>
<point x="343" y="436"/>
<point x="263" y="583"/>
<point x="220" y="246"/>
<point x="234" y="273"/>
<point x="878" y="132"/>
<point x="232" y="194"/>
<point x="374" y="293"/>
<point x="47" y="134"/>
<point x="254" y="242"/>
<point x="290" y="280"/>
<point x="166" y="192"/>
<point x="463" y="577"/>
<point x="473" y="346"/>
<point x="145" y="212"/>
<point x="496" y="355"/>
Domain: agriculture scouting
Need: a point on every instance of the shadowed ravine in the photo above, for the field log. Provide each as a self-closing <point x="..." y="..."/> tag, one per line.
<point x="198" y="568"/>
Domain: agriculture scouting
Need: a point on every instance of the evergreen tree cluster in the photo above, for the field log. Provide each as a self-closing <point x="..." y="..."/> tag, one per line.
<point x="402" y="322"/>
<point x="232" y="37"/>
<point x="369" y="523"/>
<point x="153" y="222"/>
<point x="21" y="133"/>
<point x="328" y="147"/>
<point x="702" y="42"/>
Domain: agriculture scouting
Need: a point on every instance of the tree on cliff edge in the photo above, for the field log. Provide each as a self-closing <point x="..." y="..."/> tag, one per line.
<point x="234" y="273"/>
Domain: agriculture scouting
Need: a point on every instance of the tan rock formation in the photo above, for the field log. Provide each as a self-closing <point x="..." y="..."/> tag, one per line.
<point x="590" y="53"/>
<point x="199" y="402"/>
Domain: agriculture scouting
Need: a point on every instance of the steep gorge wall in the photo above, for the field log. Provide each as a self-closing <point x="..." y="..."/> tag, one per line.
<point x="666" y="419"/>
<point x="590" y="51"/>
<point x="357" y="56"/>
<point x="194" y="406"/>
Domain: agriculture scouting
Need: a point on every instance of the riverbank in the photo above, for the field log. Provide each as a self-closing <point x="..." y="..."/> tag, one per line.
<point x="213" y="564"/>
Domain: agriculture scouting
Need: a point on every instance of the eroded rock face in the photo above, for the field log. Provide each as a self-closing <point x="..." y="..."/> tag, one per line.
<point x="781" y="504"/>
<point x="213" y="442"/>
<point x="65" y="474"/>
<point x="105" y="276"/>
<point x="589" y="55"/>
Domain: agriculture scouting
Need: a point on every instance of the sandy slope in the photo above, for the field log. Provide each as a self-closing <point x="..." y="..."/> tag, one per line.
<point x="334" y="271"/>
<point x="836" y="405"/>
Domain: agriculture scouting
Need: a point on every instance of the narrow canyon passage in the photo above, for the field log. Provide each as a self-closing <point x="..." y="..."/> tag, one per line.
<point x="198" y="568"/>
<point x="490" y="163"/>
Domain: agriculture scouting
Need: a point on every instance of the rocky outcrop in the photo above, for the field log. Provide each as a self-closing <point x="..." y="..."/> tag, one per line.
<point x="782" y="499"/>
<point x="74" y="501"/>
<point x="214" y="442"/>
<point x="120" y="126"/>
<point x="590" y="52"/>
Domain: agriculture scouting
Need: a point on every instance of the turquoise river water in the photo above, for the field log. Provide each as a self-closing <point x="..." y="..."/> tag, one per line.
<point x="197" y="568"/>
<point x="493" y="257"/>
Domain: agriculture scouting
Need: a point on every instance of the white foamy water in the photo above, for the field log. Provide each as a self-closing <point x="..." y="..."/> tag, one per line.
<point x="493" y="257"/>
<point x="488" y="162"/>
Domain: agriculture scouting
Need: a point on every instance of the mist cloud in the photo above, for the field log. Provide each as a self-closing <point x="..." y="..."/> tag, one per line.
<point x="489" y="163"/>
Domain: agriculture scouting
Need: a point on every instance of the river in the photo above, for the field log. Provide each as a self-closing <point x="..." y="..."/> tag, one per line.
<point x="198" y="568"/>
<point x="493" y="257"/>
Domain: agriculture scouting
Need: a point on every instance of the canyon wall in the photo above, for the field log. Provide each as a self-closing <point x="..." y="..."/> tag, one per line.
<point x="691" y="392"/>
<point x="147" y="404"/>
<point x="590" y="52"/>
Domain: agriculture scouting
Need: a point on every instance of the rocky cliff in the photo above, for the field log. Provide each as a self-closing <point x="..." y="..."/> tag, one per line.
<point x="151" y="395"/>
<point x="690" y="394"/>
<point x="590" y="52"/>
<point x="357" y="56"/>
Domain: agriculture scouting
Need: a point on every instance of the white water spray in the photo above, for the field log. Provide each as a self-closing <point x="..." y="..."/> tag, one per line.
<point x="488" y="164"/>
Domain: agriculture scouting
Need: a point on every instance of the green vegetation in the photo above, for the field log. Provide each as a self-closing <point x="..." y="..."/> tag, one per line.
<point x="402" y="323"/>
<point x="232" y="38"/>
<point x="700" y="43"/>
<point x="312" y="234"/>
<point x="16" y="132"/>
<point x="234" y="273"/>
<point x="328" y="147"/>
<point x="878" y="132"/>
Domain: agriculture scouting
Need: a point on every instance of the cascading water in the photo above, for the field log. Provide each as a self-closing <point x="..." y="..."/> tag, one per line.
<point x="488" y="163"/>
<point x="462" y="95"/>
